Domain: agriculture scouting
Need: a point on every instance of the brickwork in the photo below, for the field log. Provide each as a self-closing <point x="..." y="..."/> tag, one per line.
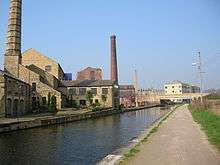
<point x="89" y="74"/>
<point x="114" y="66"/>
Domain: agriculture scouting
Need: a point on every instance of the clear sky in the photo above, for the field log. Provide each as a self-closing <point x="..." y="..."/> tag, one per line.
<point x="159" y="38"/>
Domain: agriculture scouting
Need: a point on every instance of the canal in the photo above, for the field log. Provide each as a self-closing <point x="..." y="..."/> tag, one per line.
<point x="81" y="143"/>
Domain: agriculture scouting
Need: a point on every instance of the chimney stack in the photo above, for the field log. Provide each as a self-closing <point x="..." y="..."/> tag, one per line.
<point x="13" y="49"/>
<point x="114" y="66"/>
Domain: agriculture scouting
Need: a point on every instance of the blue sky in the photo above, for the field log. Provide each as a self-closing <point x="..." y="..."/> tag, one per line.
<point x="158" y="38"/>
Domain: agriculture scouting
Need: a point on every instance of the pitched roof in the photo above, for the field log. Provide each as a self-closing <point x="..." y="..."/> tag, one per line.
<point x="11" y="76"/>
<point x="87" y="83"/>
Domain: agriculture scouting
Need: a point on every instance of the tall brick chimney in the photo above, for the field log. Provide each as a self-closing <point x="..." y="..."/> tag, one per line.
<point x="13" y="49"/>
<point x="114" y="66"/>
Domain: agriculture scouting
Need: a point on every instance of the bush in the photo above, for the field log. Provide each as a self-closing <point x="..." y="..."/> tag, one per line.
<point x="95" y="109"/>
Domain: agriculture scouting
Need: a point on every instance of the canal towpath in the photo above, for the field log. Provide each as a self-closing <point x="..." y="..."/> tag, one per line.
<point x="179" y="141"/>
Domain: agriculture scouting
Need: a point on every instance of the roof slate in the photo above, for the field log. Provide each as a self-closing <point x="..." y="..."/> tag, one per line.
<point x="87" y="83"/>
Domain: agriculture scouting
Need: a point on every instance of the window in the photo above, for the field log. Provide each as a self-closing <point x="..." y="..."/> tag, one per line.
<point x="48" y="68"/>
<point x="44" y="100"/>
<point x="104" y="91"/>
<point x="180" y="91"/>
<point x="72" y="91"/>
<point x="172" y="86"/>
<point x="94" y="91"/>
<point x="34" y="87"/>
<point x="165" y="87"/>
<point x="96" y="101"/>
<point x="82" y="91"/>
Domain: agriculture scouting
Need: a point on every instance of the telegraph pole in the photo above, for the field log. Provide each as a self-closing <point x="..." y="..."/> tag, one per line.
<point x="136" y="88"/>
<point x="200" y="75"/>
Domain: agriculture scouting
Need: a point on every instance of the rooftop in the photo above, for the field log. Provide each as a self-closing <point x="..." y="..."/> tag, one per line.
<point x="87" y="83"/>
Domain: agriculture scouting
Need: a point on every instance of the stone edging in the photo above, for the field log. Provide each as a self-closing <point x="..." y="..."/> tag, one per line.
<point x="118" y="155"/>
<point x="51" y="120"/>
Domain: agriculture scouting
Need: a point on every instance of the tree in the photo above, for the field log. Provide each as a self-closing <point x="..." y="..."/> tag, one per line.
<point x="89" y="97"/>
<point x="53" y="104"/>
<point x="104" y="99"/>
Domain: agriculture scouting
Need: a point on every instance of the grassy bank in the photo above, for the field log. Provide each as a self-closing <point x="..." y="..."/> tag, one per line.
<point x="209" y="122"/>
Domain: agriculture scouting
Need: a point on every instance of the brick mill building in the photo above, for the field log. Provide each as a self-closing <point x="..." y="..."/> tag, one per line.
<point x="89" y="74"/>
<point x="28" y="78"/>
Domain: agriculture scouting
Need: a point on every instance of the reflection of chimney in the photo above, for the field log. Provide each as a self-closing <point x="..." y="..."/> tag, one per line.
<point x="114" y="66"/>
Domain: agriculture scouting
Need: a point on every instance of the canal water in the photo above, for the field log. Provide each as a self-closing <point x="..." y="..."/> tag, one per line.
<point x="81" y="143"/>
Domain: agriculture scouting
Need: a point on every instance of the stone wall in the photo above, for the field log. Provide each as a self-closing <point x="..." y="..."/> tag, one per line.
<point x="14" y="96"/>
<point x="2" y="96"/>
<point x="32" y="57"/>
<point x="42" y="90"/>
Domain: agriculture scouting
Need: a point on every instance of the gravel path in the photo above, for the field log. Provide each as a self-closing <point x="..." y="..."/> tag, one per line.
<point x="179" y="141"/>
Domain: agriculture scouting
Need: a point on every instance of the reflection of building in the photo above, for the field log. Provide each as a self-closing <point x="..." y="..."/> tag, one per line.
<point x="76" y="91"/>
<point x="178" y="88"/>
<point x="90" y="74"/>
<point x="127" y="95"/>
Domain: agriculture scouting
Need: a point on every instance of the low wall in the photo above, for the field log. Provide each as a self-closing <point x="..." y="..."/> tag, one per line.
<point x="45" y="121"/>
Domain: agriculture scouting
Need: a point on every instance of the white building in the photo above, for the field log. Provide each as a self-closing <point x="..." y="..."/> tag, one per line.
<point x="179" y="88"/>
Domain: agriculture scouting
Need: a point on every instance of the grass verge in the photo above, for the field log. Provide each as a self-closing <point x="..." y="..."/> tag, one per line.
<point x="209" y="122"/>
<point x="136" y="149"/>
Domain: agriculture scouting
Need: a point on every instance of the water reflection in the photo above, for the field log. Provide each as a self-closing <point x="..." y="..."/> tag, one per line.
<point x="83" y="142"/>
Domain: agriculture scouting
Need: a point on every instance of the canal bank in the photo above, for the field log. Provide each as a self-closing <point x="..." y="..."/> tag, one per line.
<point x="27" y="123"/>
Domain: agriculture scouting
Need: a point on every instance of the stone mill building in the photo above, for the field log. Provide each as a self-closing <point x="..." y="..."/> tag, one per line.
<point x="30" y="76"/>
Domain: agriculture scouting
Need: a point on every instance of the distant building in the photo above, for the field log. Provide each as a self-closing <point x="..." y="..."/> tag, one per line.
<point x="68" y="76"/>
<point x="178" y="88"/>
<point x="76" y="91"/>
<point x="149" y="96"/>
<point x="179" y="92"/>
<point x="127" y="95"/>
<point x="89" y="74"/>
